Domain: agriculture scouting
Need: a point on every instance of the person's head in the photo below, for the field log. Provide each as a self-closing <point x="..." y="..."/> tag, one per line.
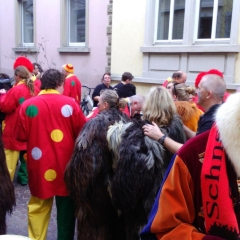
<point x="211" y="90"/>
<point x="159" y="106"/>
<point x="136" y="104"/>
<point x="181" y="92"/>
<point x="106" y="79"/>
<point x="108" y="99"/>
<point x="37" y="69"/>
<point x="127" y="77"/>
<point x="21" y="73"/>
<point x="52" y="79"/>
<point x="67" y="69"/>
<point x="169" y="86"/>
<point x="179" y="77"/>
<point x="23" y="61"/>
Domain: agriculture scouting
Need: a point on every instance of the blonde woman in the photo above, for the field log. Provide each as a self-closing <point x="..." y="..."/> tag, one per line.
<point x="186" y="108"/>
<point x="10" y="103"/>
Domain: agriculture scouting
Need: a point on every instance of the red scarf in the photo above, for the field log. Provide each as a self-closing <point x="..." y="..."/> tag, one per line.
<point x="220" y="218"/>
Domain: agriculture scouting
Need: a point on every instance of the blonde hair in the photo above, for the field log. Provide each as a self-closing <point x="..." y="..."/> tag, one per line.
<point x="159" y="106"/>
<point x="25" y="75"/>
<point x="183" y="92"/>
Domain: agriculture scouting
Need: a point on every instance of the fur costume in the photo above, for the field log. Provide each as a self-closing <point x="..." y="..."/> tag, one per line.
<point x="7" y="196"/>
<point x="189" y="114"/>
<point x="87" y="177"/>
<point x="139" y="172"/>
<point x="122" y="173"/>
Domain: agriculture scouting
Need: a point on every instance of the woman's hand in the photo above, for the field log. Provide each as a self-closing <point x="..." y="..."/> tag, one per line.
<point x="152" y="131"/>
<point x="2" y="91"/>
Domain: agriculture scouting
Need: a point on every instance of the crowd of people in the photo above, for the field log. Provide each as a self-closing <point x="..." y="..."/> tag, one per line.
<point x="159" y="166"/>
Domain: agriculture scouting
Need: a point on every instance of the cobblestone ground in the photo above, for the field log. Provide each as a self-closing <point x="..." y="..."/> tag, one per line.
<point x="17" y="222"/>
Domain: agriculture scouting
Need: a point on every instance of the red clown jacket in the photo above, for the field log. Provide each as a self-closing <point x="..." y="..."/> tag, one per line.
<point x="49" y="123"/>
<point x="72" y="88"/>
<point x="10" y="104"/>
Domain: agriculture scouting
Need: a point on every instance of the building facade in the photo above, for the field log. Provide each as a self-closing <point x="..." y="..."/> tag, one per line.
<point x="154" y="38"/>
<point x="56" y="32"/>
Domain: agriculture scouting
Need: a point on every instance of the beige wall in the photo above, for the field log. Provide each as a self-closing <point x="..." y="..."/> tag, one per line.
<point x="128" y="21"/>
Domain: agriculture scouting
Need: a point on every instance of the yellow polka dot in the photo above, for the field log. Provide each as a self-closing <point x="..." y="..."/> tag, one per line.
<point x="57" y="135"/>
<point x="50" y="175"/>
<point x="25" y="156"/>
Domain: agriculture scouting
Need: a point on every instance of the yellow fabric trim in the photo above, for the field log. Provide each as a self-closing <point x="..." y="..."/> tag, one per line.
<point x="70" y="75"/>
<point x="39" y="212"/>
<point x="33" y="77"/>
<point x="21" y="82"/>
<point x="49" y="91"/>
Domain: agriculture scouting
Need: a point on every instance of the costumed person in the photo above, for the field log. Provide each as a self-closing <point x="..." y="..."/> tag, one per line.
<point x="106" y="81"/>
<point x="10" y="103"/>
<point x="49" y="123"/>
<point x="7" y="195"/>
<point x="72" y="85"/>
<point x="5" y="83"/>
<point x="186" y="109"/>
<point x="23" y="61"/>
<point x="200" y="190"/>
<point x="142" y="161"/>
<point x="198" y="80"/>
<point x="89" y="173"/>
<point x="22" y="175"/>
<point x="210" y="96"/>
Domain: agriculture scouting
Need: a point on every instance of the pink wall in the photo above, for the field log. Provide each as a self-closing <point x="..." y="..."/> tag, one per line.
<point x="89" y="67"/>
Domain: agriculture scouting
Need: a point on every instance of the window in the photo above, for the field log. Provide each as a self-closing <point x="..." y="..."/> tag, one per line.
<point x="170" y="20"/>
<point x="76" y="22"/>
<point x="27" y="29"/>
<point x="214" y="19"/>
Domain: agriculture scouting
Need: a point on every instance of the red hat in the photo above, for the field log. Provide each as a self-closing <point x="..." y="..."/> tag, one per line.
<point x="68" y="67"/>
<point x="216" y="72"/>
<point x="199" y="78"/>
<point x="23" y="61"/>
<point x="201" y="74"/>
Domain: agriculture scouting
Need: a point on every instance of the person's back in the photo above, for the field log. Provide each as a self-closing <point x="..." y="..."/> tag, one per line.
<point x="72" y="85"/>
<point x="125" y="88"/>
<point x="49" y="123"/>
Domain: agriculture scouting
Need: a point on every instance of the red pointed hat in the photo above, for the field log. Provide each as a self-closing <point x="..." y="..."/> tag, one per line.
<point x="23" y="61"/>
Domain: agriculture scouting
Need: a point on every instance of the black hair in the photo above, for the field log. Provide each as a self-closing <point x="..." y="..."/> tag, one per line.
<point x="51" y="79"/>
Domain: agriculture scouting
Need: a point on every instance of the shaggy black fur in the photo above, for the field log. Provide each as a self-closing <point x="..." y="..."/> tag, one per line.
<point x="87" y="178"/>
<point x="137" y="179"/>
<point x="7" y="196"/>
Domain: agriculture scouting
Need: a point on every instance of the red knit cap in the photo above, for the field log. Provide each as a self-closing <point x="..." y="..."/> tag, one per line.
<point x="23" y="61"/>
<point x="199" y="78"/>
<point x="68" y="67"/>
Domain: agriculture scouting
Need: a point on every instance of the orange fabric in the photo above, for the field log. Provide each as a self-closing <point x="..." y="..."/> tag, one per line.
<point x="189" y="113"/>
<point x="176" y="208"/>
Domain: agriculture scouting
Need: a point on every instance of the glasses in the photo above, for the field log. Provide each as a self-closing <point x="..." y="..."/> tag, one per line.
<point x="106" y="78"/>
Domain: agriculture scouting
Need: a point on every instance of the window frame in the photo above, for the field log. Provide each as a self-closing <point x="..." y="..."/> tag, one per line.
<point x="169" y="40"/>
<point x="189" y="42"/>
<point x="22" y="24"/>
<point x="213" y="38"/>
<point x="64" y="35"/>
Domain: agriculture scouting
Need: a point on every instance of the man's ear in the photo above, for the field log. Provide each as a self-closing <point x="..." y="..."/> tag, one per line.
<point x="209" y="94"/>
